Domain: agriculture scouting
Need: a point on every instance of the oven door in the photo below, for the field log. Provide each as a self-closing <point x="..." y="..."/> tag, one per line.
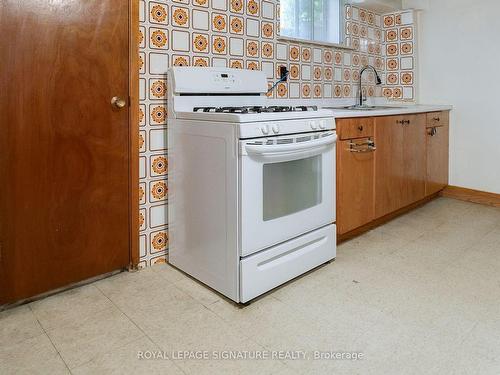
<point x="287" y="188"/>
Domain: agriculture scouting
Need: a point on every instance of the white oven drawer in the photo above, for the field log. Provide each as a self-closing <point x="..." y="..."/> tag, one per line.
<point x="266" y="270"/>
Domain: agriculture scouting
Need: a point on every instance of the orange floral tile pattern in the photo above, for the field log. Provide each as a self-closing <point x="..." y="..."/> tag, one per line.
<point x="400" y="62"/>
<point x="245" y="34"/>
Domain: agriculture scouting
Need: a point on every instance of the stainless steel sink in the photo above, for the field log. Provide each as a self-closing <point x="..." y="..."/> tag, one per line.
<point x="363" y="108"/>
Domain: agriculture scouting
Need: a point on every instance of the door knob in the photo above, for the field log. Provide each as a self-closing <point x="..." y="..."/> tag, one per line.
<point x="118" y="102"/>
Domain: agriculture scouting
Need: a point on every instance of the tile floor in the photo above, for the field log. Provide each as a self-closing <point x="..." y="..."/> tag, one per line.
<point x="419" y="295"/>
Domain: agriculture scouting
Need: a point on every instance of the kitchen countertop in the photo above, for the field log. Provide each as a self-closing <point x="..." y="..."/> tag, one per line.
<point x="397" y="110"/>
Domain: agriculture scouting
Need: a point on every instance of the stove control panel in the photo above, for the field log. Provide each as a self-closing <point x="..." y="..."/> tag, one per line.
<point x="196" y="80"/>
<point x="224" y="78"/>
<point x="273" y="128"/>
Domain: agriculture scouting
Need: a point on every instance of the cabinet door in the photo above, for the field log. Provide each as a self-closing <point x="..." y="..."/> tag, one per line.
<point x="437" y="159"/>
<point x="355" y="184"/>
<point x="414" y="158"/>
<point x="389" y="165"/>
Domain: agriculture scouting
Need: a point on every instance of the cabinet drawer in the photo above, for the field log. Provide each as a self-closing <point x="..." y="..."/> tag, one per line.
<point x="349" y="128"/>
<point x="435" y="119"/>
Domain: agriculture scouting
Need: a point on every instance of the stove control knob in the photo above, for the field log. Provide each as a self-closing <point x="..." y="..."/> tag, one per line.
<point x="264" y="129"/>
<point x="276" y="128"/>
<point x="322" y="124"/>
<point x="313" y="125"/>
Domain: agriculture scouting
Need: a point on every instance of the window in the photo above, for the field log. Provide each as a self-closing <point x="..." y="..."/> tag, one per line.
<point x="312" y="20"/>
<point x="291" y="186"/>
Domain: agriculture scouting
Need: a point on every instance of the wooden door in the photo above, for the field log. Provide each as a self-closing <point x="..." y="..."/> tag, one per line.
<point x="64" y="150"/>
<point x="437" y="158"/>
<point x="389" y="165"/>
<point x="355" y="184"/>
<point x="413" y="158"/>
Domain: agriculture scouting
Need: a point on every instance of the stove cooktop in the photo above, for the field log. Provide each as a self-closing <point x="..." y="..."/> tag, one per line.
<point x="256" y="109"/>
<point x="252" y="113"/>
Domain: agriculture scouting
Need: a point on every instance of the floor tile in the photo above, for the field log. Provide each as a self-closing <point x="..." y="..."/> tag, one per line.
<point x="70" y="306"/>
<point x="195" y="329"/>
<point x="172" y="303"/>
<point x="18" y="324"/>
<point x="260" y="315"/>
<point x="417" y="295"/>
<point x="169" y="272"/>
<point x="82" y="341"/>
<point x="134" y="358"/>
<point x="220" y="362"/>
<point x="131" y="290"/>
<point x="484" y="340"/>
<point x="35" y="355"/>
<point x="198" y="291"/>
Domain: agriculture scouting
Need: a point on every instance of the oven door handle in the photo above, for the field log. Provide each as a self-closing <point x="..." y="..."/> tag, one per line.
<point x="269" y="150"/>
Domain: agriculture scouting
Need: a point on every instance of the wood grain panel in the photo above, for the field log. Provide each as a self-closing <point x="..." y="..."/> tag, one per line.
<point x="389" y="165"/>
<point x="438" y="118"/>
<point x="400" y="168"/>
<point x="437" y="144"/>
<point x="355" y="187"/>
<point x="65" y="152"/>
<point x="349" y="128"/>
<point x="414" y="157"/>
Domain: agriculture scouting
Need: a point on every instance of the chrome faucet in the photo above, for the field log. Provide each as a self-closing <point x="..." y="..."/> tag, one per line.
<point x="377" y="80"/>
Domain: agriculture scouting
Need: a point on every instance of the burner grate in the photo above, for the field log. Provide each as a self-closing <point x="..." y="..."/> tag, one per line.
<point x="257" y="109"/>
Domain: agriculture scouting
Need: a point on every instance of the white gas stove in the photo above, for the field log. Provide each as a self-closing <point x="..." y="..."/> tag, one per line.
<point x="251" y="185"/>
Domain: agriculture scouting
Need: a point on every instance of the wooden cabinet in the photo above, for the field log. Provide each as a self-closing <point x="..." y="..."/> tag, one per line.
<point x="410" y="163"/>
<point x="389" y="165"/>
<point x="355" y="182"/>
<point x="400" y="162"/>
<point x="437" y="145"/>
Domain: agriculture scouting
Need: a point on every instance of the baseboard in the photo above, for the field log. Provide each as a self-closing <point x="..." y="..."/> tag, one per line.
<point x="471" y="195"/>
<point x="384" y="219"/>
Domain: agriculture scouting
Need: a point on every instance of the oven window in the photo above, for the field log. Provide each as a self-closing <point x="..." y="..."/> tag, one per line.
<point x="291" y="186"/>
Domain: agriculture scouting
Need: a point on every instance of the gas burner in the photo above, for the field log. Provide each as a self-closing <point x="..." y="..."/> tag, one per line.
<point x="305" y="108"/>
<point x="256" y="109"/>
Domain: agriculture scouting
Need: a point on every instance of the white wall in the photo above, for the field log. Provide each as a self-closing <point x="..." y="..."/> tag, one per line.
<point x="459" y="64"/>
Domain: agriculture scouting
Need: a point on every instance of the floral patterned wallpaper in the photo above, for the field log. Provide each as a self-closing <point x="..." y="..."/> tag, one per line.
<point x="244" y="34"/>
<point x="400" y="37"/>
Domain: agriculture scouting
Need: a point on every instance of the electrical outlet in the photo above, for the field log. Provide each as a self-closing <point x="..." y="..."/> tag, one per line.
<point x="283" y="73"/>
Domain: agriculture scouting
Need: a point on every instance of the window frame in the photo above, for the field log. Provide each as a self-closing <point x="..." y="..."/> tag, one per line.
<point x="342" y="43"/>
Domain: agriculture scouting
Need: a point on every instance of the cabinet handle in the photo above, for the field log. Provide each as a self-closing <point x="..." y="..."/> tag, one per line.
<point x="403" y="122"/>
<point x="436" y="119"/>
<point x="370" y="146"/>
<point x="360" y="128"/>
<point x="369" y="142"/>
<point x="362" y="150"/>
<point x="432" y="132"/>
